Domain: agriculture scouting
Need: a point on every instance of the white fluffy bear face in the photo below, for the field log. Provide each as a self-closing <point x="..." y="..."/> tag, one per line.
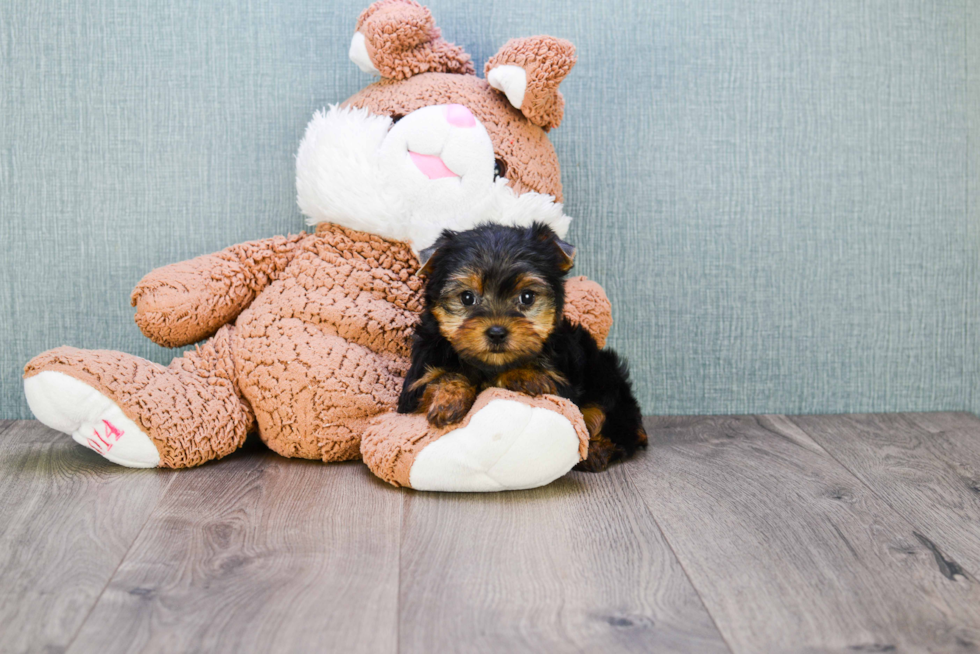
<point x="409" y="177"/>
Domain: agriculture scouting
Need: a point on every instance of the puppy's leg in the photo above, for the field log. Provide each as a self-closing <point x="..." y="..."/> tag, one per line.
<point x="448" y="399"/>
<point x="530" y="380"/>
<point x="602" y="451"/>
<point x="618" y="431"/>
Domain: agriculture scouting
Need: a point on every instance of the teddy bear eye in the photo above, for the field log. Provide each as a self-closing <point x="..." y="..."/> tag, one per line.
<point x="527" y="298"/>
<point x="499" y="168"/>
<point x="467" y="298"/>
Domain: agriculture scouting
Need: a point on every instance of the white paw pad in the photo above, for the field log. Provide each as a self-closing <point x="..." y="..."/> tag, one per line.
<point x="507" y="445"/>
<point x="92" y="419"/>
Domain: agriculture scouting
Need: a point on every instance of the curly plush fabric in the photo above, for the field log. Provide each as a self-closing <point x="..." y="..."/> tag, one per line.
<point x="325" y="347"/>
<point x="191" y="410"/>
<point x="546" y="61"/>
<point x="586" y="303"/>
<point x="188" y="301"/>
<point x="402" y="40"/>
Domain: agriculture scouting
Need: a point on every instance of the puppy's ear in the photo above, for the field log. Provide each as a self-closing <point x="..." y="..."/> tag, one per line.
<point x="567" y="254"/>
<point x="426" y="256"/>
<point x="544" y="233"/>
<point x="425" y="259"/>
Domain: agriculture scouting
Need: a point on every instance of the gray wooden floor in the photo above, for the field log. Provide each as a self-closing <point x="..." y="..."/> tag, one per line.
<point x="742" y="534"/>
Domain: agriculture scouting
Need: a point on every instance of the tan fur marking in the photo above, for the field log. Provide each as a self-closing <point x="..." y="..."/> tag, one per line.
<point x="469" y="340"/>
<point x="530" y="380"/>
<point x="449" y="323"/>
<point x="448" y="399"/>
<point x="469" y="279"/>
<point x="602" y="452"/>
<point x="544" y="323"/>
<point x="431" y="374"/>
<point x="594" y="419"/>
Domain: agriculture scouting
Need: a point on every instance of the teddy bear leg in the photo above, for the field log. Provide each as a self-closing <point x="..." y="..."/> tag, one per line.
<point x="137" y="413"/>
<point x="313" y="393"/>
<point x="507" y="441"/>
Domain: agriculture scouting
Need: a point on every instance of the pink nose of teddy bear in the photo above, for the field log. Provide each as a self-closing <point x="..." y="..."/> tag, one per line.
<point x="459" y="116"/>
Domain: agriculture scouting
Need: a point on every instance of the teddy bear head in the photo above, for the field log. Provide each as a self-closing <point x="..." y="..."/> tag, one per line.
<point x="431" y="146"/>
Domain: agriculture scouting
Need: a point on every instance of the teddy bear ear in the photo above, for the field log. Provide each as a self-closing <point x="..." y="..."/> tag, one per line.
<point x="399" y="38"/>
<point x="528" y="71"/>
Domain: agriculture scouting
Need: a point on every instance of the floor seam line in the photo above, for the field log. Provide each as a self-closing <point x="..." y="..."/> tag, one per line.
<point x="673" y="551"/>
<point x="115" y="571"/>
<point x="398" y="587"/>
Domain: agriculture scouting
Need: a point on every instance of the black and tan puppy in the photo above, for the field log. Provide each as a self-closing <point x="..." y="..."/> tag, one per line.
<point x="493" y="317"/>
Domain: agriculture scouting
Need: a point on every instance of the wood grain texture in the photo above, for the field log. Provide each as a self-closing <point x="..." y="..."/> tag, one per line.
<point x="576" y="566"/>
<point x="789" y="551"/>
<point x="67" y="519"/>
<point x="925" y="466"/>
<point x="258" y="553"/>
<point x="742" y="533"/>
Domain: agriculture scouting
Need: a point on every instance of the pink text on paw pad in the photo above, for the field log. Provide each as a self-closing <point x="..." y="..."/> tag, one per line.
<point x="103" y="442"/>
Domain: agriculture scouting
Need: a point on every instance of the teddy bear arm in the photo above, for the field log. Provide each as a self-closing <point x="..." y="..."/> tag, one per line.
<point x="185" y="302"/>
<point x="586" y="304"/>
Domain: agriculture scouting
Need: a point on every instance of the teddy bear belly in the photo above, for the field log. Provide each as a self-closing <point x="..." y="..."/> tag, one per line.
<point x="312" y="389"/>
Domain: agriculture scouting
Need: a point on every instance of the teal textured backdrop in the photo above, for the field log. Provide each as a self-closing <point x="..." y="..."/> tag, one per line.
<point x="780" y="196"/>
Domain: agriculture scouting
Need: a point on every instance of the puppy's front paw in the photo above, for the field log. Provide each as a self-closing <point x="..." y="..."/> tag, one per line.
<point x="530" y="381"/>
<point x="602" y="452"/>
<point x="448" y="400"/>
<point x="441" y="415"/>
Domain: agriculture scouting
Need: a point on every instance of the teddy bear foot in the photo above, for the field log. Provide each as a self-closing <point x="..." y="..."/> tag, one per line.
<point x="507" y="442"/>
<point x="90" y="418"/>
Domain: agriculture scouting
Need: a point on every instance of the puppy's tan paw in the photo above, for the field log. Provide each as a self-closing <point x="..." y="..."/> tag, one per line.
<point x="448" y="413"/>
<point x="602" y="452"/>
<point x="448" y="400"/>
<point x="530" y="381"/>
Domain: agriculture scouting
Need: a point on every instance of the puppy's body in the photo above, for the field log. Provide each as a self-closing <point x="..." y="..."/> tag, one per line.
<point x="494" y="302"/>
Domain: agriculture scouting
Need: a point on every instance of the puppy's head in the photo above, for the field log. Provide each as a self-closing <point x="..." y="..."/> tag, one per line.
<point x="497" y="292"/>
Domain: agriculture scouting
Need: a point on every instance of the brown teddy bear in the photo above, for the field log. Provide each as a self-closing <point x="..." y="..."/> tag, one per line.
<point x="308" y="336"/>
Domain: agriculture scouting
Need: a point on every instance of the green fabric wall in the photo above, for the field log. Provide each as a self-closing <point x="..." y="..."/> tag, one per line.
<point x="780" y="196"/>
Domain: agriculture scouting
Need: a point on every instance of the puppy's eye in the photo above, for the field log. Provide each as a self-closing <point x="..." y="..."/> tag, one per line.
<point x="499" y="169"/>
<point x="527" y="298"/>
<point x="396" y="117"/>
<point x="467" y="298"/>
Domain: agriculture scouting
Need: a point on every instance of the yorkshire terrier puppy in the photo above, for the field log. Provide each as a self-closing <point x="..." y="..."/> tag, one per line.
<point x="493" y="317"/>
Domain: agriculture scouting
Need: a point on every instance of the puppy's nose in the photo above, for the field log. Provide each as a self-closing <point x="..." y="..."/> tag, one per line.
<point x="459" y="116"/>
<point x="497" y="334"/>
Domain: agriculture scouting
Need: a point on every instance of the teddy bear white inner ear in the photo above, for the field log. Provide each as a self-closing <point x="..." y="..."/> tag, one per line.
<point x="512" y="80"/>
<point x="359" y="55"/>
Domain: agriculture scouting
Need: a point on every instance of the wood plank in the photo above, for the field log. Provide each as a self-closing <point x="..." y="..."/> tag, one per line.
<point x="257" y="553"/>
<point x="789" y="551"/>
<point x="67" y="518"/>
<point x="925" y="466"/>
<point x="577" y="566"/>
